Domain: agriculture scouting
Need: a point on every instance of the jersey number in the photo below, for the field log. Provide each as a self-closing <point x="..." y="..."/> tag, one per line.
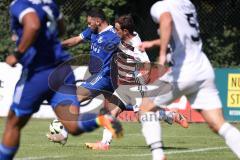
<point x="51" y="24"/>
<point x="192" y="21"/>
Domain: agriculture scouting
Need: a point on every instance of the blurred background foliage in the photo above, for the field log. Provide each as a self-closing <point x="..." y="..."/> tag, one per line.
<point x="219" y="25"/>
<point x="5" y="34"/>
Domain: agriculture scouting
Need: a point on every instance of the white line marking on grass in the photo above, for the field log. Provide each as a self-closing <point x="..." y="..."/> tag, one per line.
<point x="196" y="150"/>
<point x="129" y="155"/>
<point x="167" y="153"/>
<point x="41" y="158"/>
<point x="173" y="136"/>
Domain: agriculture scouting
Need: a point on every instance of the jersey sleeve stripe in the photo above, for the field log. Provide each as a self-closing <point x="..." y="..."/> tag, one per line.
<point x="81" y="36"/>
<point x="24" y="12"/>
<point x="60" y="16"/>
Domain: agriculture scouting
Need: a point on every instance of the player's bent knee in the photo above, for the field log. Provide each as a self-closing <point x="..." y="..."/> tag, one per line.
<point x="14" y="122"/>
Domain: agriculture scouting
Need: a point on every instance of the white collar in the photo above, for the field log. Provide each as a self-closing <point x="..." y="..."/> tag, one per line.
<point x="107" y="28"/>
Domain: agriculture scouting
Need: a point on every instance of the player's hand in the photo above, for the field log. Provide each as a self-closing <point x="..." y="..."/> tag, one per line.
<point x="11" y="60"/>
<point x="162" y="58"/>
<point x="145" y="45"/>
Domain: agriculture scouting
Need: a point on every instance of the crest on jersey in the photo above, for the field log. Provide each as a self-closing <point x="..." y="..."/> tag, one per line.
<point x="100" y="39"/>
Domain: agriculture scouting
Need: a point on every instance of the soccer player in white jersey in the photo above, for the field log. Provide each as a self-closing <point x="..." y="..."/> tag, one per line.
<point x="191" y="74"/>
<point x="132" y="72"/>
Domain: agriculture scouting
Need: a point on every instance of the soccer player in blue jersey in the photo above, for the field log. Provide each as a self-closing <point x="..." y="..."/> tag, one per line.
<point x="44" y="76"/>
<point x="104" y="43"/>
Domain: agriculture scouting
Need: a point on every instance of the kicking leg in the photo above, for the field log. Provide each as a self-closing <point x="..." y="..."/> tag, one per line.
<point x="77" y="124"/>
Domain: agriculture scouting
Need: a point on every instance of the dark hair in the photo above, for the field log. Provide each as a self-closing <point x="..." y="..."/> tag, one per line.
<point x="96" y="13"/>
<point x="60" y="2"/>
<point x="126" y="22"/>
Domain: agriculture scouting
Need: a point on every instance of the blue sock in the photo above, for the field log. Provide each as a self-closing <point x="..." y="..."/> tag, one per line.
<point x="88" y="122"/>
<point x="7" y="153"/>
<point x="129" y="107"/>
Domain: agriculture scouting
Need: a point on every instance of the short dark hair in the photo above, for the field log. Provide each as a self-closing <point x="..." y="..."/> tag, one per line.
<point x="126" y="22"/>
<point x="97" y="13"/>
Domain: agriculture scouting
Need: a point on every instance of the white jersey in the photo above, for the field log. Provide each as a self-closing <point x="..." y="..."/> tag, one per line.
<point x="129" y="61"/>
<point x="131" y="82"/>
<point x="189" y="60"/>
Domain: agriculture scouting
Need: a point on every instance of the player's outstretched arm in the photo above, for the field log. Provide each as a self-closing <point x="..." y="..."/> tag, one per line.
<point x="72" y="41"/>
<point x="149" y="44"/>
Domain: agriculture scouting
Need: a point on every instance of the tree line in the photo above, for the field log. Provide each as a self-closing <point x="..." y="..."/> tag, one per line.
<point x="219" y="26"/>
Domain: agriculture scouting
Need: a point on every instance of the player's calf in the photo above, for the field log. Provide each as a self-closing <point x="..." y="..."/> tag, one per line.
<point x="11" y="136"/>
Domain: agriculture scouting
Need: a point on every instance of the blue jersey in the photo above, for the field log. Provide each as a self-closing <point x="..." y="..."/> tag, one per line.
<point x="46" y="51"/>
<point x="103" y="46"/>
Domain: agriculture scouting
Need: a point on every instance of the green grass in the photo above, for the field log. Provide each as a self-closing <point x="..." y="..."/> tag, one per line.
<point x="178" y="142"/>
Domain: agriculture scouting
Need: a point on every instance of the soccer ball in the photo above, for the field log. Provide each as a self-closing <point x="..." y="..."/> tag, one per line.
<point x="56" y="127"/>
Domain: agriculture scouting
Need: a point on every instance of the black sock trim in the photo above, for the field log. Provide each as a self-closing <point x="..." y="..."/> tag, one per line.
<point x="156" y="145"/>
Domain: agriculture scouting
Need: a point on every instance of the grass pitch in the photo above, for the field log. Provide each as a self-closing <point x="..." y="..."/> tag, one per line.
<point x="195" y="143"/>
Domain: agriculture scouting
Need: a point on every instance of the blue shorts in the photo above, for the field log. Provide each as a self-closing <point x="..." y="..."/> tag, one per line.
<point x="99" y="83"/>
<point x="56" y="85"/>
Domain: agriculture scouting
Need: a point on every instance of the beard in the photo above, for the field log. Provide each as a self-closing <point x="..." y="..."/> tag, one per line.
<point x="95" y="30"/>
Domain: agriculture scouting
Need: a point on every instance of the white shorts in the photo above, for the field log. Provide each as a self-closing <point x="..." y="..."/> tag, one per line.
<point x="202" y="95"/>
<point x="130" y="95"/>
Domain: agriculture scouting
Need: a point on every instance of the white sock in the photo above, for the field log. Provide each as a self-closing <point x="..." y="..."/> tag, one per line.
<point x="107" y="136"/>
<point x="151" y="130"/>
<point x="232" y="137"/>
<point x="157" y="154"/>
<point x="64" y="133"/>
